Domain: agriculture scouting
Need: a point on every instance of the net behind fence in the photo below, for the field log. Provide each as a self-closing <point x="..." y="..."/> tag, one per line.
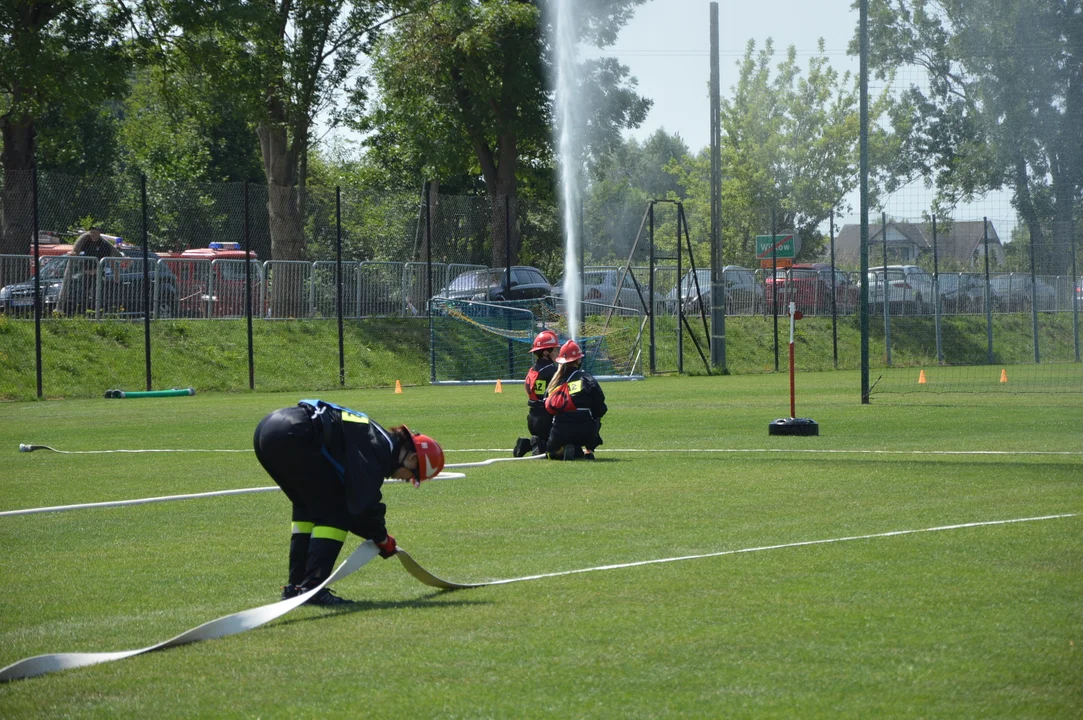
<point x="478" y="341"/>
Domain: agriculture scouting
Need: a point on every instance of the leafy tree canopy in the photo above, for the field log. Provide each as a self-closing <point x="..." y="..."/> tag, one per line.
<point x="1000" y="105"/>
<point x="789" y="146"/>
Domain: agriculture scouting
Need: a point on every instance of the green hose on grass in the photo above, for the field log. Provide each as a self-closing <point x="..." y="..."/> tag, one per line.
<point x="175" y="392"/>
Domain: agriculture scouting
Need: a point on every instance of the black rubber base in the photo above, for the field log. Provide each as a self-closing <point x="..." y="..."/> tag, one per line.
<point x="793" y="426"/>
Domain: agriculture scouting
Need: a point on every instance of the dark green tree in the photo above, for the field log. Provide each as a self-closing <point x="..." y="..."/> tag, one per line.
<point x="789" y="145"/>
<point x="59" y="58"/>
<point x="285" y="62"/>
<point x="465" y="91"/>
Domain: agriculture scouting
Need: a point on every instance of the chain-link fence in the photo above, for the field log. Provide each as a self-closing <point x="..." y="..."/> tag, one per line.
<point x="320" y="254"/>
<point x="972" y="267"/>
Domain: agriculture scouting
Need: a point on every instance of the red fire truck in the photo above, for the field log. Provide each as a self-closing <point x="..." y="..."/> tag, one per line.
<point x="211" y="280"/>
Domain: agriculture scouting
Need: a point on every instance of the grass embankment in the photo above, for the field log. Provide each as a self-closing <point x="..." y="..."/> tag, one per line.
<point x="83" y="359"/>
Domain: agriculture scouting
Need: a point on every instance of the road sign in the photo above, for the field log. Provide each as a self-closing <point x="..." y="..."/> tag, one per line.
<point x="784" y="246"/>
<point x="780" y="263"/>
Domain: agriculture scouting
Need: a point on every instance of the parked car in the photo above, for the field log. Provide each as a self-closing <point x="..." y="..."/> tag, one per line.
<point x="600" y="292"/>
<point x="118" y="291"/>
<point x="1015" y="289"/>
<point x="961" y="293"/>
<point x="909" y="290"/>
<point x="744" y="295"/>
<point x="810" y="287"/>
<point x="489" y="285"/>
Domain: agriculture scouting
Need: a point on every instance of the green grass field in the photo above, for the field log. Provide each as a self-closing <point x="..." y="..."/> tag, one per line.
<point x="974" y="622"/>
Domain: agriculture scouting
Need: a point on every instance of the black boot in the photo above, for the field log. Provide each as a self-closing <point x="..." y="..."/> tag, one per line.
<point x="522" y="447"/>
<point x="322" y="553"/>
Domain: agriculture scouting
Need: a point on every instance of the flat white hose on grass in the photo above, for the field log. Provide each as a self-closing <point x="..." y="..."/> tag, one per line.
<point x="222" y="627"/>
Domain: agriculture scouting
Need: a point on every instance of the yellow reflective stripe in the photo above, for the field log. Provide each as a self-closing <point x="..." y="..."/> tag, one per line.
<point x="350" y="417"/>
<point x="330" y="533"/>
<point x="303" y="528"/>
<point x="575" y="386"/>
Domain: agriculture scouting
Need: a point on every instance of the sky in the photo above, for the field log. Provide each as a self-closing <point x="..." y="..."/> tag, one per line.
<point x="667" y="48"/>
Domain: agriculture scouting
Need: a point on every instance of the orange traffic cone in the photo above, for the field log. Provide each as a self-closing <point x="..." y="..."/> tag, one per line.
<point x="921" y="378"/>
<point x="499" y="387"/>
<point x="1004" y="375"/>
<point x="398" y="388"/>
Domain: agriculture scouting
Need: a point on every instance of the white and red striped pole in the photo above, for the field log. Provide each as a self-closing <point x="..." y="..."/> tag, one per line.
<point x="793" y="425"/>
<point x="795" y="315"/>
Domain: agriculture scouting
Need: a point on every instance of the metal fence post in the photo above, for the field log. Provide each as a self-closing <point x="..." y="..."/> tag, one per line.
<point x="1076" y="283"/>
<point x="1033" y="306"/>
<point x="248" y="288"/>
<point x="774" y="281"/>
<point x="507" y="279"/>
<point x="718" y="281"/>
<point x="988" y="294"/>
<point x="887" y="301"/>
<point x="834" y="297"/>
<point x="680" y="299"/>
<point x="146" y="278"/>
<point x="863" y="191"/>
<point x="426" y="192"/>
<point x="936" y="298"/>
<point x="37" y="279"/>
<point x="338" y="285"/>
<point x="650" y="219"/>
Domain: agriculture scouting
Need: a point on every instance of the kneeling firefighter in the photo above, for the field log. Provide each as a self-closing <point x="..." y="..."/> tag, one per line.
<point x="577" y="403"/>
<point x="331" y="462"/>
<point x="538" y="420"/>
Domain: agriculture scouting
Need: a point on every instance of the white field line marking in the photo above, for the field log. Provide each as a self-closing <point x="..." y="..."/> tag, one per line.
<point x="821" y="451"/>
<point x="191" y="496"/>
<point x="141" y="501"/>
<point x="894" y="533"/>
<point x="490" y="461"/>
<point x="24" y="447"/>
<point x="605" y="450"/>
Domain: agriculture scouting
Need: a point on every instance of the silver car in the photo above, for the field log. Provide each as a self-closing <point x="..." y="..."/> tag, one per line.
<point x="600" y="292"/>
<point x="909" y="290"/>
<point x="744" y="293"/>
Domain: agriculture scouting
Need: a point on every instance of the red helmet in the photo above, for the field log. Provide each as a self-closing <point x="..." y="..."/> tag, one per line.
<point x="546" y="340"/>
<point x="430" y="458"/>
<point x="569" y="352"/>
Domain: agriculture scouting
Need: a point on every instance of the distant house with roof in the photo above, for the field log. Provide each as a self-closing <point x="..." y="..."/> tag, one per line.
<point x="961" y="241"/>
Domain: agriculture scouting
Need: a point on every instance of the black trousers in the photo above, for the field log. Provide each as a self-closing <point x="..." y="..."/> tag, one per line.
<point x="539" y="423"/>
<point x="577" y="428"/>
<point x="289" y="446"/>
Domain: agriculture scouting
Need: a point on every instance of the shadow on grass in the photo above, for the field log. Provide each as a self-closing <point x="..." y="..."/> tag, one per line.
<point x="423" y="602"/>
